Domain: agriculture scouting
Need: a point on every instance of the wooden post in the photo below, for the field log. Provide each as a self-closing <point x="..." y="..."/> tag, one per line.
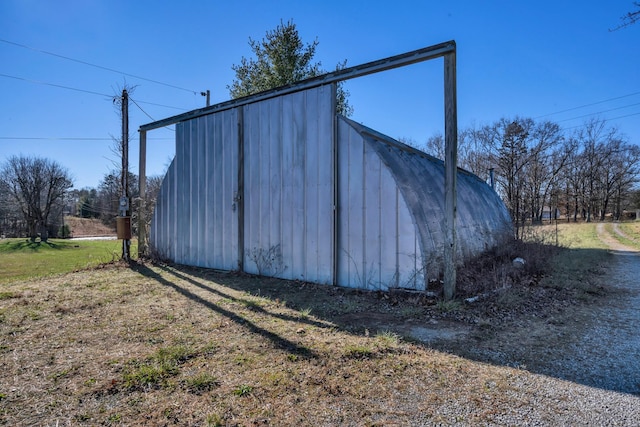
<point x="126" y="243"/>
<point x="142" y="185"/>
<point x="450" y="173"/>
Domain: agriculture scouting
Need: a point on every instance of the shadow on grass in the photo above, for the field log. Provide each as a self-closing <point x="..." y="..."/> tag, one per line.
<point x="557" y="349"/>
<point x="278" y="341"/>
<point x="28" y="246"/>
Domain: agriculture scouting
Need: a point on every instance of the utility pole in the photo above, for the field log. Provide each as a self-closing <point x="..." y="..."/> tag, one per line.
<point x="124" y="220"/>
<point x="208" y="95"/>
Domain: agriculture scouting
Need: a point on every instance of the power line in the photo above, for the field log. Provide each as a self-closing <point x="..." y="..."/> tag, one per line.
<point x="73" y="138"/>
<point x="55" y="85"/>
<point x="83" y="90"/>
<point x="98" y="66"/>
<point x="162" y="105"/>
<point x="147" y="114"/>
<point x="598" y="112"/>
<point x="589" y="105"/>
<point x="140" y="108"/>
<point x="34" y="138"/>
<point x="609" y="119"/>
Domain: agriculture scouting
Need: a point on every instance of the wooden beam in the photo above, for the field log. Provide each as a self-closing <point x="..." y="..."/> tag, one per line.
<point x="450" y="173"/>
<point x="420" y="55"/>
<point x="142" y="187"/>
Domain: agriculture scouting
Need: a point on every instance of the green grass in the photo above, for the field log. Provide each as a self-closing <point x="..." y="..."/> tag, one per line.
<point x="157" y="369"/>
<point x="21" y="259"/>
<point x="631" y="231"/>
<point x="243" y="390"/>
<point x="580" y="236"/>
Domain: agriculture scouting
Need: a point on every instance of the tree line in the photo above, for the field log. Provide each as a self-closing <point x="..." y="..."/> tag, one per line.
<point x="36" y="194"/>
<point x="542" y="172"/>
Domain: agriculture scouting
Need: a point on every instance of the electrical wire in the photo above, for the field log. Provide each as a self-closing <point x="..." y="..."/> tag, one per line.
<point x="599" y="112"/>
<point x="72" y="138"/>
<point x="83" y="90"/>
<point x="55" y="85"/>
<point x="148" y="115"/>
<point x="97" y="66"/>
<point x="609" y="119"/>
<point x="161" y="105"/>
<point x="44" y="138"/>
<point x="140" y="108"/>
<point x="589" y="105"/>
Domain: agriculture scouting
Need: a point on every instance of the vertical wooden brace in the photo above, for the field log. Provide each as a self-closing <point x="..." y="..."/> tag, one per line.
<point x="142" y="189"/>
<point x="450" y="172"/>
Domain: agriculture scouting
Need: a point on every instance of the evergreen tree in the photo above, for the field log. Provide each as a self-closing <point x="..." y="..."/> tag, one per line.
<point x="281" y="58"/>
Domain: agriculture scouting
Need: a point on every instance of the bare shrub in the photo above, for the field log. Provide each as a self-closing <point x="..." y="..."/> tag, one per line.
<point x="495" y="270"/>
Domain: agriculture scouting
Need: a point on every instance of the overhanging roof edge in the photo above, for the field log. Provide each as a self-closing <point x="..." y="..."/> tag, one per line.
<point x="408" y="58"/>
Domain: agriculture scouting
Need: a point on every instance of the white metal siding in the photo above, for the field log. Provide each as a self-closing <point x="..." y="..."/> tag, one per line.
<point x="288" y="175"/>
<point x="377" y="238"/>
<point x="196" y="219"/>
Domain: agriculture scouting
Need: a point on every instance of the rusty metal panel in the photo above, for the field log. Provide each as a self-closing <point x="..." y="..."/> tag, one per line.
<point x="289" y="186"/>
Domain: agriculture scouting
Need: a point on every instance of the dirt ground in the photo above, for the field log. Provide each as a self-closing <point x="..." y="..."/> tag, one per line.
<point x="88" y="227"/>
<point x="595" y="344"/>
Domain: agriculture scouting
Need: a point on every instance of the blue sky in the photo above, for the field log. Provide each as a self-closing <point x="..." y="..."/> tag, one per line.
<point x="530" y="59"/>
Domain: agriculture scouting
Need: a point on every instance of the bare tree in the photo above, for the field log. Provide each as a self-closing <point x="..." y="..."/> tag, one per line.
<point x="36" y="185"/>
<point x="109" y="193"/>
<point x="619" y="173"/>
<point x="154" y="184"/>
<point x="597" y="149"/>
<point x="506" y="145"/>
<point x="10" y="216"/>
<point x="546" y="157"/>
<point x="629" y="18"/>
<point x="472" y="155"/>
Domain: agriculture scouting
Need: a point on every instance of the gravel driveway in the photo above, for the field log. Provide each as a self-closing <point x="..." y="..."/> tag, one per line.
<point x="585" y="368"/>
<point x="608" y="354"/>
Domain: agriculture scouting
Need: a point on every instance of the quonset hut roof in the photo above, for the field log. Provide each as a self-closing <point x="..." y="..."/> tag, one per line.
<point x="482" y="220"/>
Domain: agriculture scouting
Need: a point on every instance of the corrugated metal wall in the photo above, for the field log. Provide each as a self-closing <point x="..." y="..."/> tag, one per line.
<point x="482" y="219"/>
<point x="378" y="245"/>
<point x="196" y="216"/>
<point x="289" y="186"/>
<point x="287" y="191"/>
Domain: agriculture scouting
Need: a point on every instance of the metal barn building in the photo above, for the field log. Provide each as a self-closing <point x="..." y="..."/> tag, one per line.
<point x="283" y="186"/>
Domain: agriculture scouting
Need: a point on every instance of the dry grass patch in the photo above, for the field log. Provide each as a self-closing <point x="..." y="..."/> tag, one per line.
<point x="173" y="346"/>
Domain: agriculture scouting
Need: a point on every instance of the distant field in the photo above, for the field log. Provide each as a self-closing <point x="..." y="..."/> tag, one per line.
<point x="21" y="259"/>
<point x="583" y="235"/>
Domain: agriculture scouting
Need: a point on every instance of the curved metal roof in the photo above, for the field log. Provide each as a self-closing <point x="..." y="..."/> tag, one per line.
<point x="482" y="218"/>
